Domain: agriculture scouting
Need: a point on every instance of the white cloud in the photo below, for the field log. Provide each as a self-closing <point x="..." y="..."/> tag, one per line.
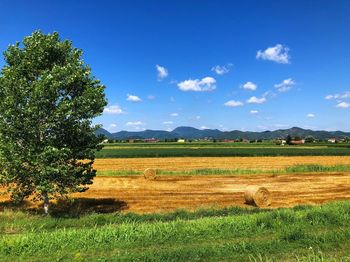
<point x="277" y="53"/>
<point x="343" y="105"/>
<point x="133" y="98"/>
<point x="339" y="96"/>
<point x="113" y="110"/>
<point x="162" y="72"/>
<point x="133" y="124"/>
<point x="249" y="86"/>
<point x="254" y="112"/>
<point x="285" y="85"/>
<point x="310" y="115"/>
<point x="112" y="127"/>
<point x="205" y="84"/>
<point x="221" y="70"/>
<point x="255" y="100"/>
<point x="168" y="122"/>
<point x="204" y="127"/>
<point x="233" y="103"/>
<point x="174" y="114"/>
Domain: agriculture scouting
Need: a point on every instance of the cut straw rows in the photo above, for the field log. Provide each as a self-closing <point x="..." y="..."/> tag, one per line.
<point x="191" y="163"/>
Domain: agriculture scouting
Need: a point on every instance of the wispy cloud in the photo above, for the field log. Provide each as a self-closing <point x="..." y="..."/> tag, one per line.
<point x="136" y="125"/>
<point x="339" y="96"/>
<point x="133" y="98"/>
<point x="113" y="110"/>
<point x="233" y="103"/>
<point x="254" y="112"/>
<point x="162" y="72"/>
<point x="168" y="122"/>
<point x="249" y="86"/>
<point x="256" y="100"/>
<point x="221" y="70"/>
<point x="285" y="85"/>
<point x="343" y="105"/>
<point x="174" y="114"/>
<point x="112" y="127"/>
<point x="203" y="85"/>
<point x="151" y="97"/>
<point x="277" y="53"/>
<point x="310" y="115"/>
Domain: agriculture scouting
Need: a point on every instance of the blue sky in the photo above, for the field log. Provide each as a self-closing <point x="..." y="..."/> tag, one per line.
<point x="246" y="65"/>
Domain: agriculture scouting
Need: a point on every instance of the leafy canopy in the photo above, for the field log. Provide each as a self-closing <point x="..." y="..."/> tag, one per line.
<point x="48" y="98"/>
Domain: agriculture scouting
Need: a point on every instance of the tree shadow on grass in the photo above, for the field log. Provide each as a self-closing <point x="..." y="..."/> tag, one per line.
<point x="69" y="207"/>
<point x="10" y="205"/>
<point x="76" y="207"/>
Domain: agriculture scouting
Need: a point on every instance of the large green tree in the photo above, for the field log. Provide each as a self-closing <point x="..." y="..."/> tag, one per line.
<point x="48" y="98"/>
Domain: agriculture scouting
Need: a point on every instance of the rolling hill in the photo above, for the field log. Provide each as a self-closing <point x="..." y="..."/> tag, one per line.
<point x="194" y="133"/>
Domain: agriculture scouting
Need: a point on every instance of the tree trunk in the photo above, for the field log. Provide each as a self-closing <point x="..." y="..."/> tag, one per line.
<point x="46" y="203"/>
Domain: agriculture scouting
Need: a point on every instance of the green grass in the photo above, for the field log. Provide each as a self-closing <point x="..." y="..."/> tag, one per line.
<point x="231" y="234"/>
<point x="317" y="168"/>
<point x="238" y="171"/>
<point x="188" y="151"/>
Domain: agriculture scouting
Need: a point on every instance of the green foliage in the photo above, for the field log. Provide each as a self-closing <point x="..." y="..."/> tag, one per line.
<point x="309" y="139"/>
<point x="48" y="98"/>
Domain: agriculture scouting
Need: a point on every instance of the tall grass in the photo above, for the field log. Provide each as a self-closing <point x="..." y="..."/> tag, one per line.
<point x="278" y="235"/>
<point x="317" y="168"/>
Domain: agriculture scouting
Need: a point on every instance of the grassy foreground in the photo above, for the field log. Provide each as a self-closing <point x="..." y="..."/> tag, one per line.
<point x="304" y="233"/>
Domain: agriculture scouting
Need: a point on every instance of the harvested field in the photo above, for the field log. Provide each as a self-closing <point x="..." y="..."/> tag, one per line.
<point x="188" y="163"/>
<point x="192" y="192"/>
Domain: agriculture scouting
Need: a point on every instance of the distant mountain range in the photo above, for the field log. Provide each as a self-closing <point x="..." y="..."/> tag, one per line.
<point x="194" y="133"/>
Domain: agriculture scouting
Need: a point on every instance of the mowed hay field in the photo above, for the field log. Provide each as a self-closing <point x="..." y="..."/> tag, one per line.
<point x="171" y="192"/>
<point x="168" y="193"/>
<point x="188" y="163"/>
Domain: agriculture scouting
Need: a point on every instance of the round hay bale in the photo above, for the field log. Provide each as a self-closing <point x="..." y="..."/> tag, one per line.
<point x="150" y="174"/>
<point x="257" y="196"/>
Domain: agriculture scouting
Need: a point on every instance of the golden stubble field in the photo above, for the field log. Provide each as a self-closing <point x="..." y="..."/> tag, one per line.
<point x="188" y="163"/>
<point x="172" y="192"/>
<point x="191" y="192"/>
<point x="168" y="193"/>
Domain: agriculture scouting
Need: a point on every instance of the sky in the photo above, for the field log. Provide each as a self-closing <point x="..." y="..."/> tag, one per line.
<point x="228" y="65"/>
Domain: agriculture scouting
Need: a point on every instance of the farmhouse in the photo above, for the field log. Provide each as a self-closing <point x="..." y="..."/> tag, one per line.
<point x="151" y="140"/>
<point x="297" y="142"/>
<point x="332" y="140"/>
